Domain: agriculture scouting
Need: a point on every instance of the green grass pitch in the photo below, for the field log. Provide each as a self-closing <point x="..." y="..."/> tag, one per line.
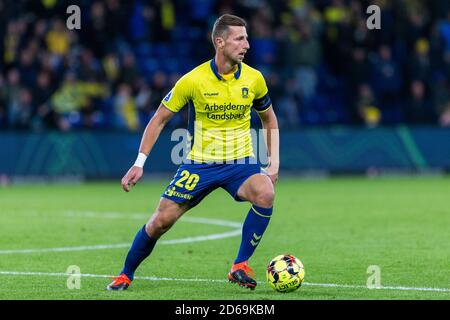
<point x="337" y="227"/>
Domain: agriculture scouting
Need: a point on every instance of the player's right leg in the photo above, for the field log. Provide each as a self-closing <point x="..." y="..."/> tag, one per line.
<point x="191" y="183"/>
<point x="166" y="214"/>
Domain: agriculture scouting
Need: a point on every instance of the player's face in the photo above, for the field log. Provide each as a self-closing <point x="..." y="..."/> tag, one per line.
<point x="236" y="44"/>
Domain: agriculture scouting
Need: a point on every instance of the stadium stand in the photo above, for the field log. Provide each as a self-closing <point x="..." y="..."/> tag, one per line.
<point x="322" y="65"/>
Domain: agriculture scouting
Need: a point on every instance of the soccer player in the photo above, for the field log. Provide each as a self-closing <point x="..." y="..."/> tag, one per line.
<point x="222" y="91"/>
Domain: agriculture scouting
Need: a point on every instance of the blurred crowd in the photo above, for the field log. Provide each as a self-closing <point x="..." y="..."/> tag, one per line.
<point x="323" y="66"/>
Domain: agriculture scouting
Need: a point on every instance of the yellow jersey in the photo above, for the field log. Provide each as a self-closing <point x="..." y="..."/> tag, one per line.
<point x="222" y="105"/>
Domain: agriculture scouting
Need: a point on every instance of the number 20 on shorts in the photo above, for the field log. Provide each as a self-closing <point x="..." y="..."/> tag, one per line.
<point x="192" y="180"/>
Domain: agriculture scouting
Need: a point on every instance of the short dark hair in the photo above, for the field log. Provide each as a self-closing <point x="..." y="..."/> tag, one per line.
<point x="223" y="22"/>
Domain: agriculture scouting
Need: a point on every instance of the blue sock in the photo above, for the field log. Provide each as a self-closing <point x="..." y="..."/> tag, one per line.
<point x="140" y="249"/>
<point x="254" y="226"/>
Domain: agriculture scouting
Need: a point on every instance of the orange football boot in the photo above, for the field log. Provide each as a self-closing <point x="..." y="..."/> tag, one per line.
<point x="243" y="275"/>
<point x="120" y="283"/>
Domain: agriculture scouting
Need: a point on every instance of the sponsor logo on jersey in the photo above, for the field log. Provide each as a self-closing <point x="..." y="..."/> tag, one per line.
<point x="172" y="193"/>
<point x="226" y="107"/>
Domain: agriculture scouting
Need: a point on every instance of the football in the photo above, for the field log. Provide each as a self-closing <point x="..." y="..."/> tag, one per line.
<point x="285" y="273"/>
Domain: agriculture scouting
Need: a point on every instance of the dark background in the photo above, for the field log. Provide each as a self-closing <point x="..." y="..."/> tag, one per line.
<point x="348" y="99"/>
<point x="321" y="63"/>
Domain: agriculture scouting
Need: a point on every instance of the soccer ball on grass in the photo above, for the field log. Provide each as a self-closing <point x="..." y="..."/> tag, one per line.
<point x="285" y="273"/>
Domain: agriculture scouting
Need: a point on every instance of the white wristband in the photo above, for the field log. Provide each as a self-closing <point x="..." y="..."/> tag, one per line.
<point x="140" y="160"/>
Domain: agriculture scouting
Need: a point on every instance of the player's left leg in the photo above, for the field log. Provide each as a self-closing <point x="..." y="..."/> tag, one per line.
<point x="259" y="190"/>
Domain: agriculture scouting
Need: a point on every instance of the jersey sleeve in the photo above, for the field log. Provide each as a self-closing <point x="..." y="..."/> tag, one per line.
<point x="262" y="100"/>
<point x="179" y="96"/>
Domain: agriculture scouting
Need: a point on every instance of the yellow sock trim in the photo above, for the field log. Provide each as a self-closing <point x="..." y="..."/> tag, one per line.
<point x="260" y="214"/>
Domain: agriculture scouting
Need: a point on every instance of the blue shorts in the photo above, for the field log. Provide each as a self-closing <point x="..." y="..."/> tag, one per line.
<point x="194" y="181"/>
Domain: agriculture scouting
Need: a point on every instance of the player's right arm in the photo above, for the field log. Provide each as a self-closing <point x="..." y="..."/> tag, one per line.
<point x="173" y="102"/>
<point x="149" y="138"/>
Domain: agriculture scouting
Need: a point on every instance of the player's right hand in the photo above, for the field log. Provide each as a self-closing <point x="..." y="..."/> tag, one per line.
<point x="131" y="177"/>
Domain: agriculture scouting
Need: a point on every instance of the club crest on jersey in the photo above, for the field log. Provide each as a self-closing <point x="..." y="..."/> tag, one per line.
<point x="244" y="92"/>
<point x="168" y="96"/>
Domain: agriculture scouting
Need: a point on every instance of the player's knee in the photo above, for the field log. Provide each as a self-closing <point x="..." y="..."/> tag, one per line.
<point x="158" y="225"/>
<point x="164" y="218"/>
<point x="265" y="198"/>
<point x="165" y="206"/>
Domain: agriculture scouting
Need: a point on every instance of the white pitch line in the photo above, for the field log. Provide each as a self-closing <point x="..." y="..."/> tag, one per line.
<point x="65" y="249"/>
<point x="141" y="216"/>
<point x="153" y="278"/>
<point x="203" y="238"/>
<point x="126" y="245"/>
<point x="87" y="275"/>
<point x="376" y="288"/>
<point x="114" y="215"/>
<point x="120" y="215"/>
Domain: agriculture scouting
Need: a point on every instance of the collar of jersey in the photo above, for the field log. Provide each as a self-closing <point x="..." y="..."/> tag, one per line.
<point x="237" y="74"/>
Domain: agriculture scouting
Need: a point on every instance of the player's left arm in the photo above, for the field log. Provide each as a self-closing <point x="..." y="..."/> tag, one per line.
<point x="272" y="139"/>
